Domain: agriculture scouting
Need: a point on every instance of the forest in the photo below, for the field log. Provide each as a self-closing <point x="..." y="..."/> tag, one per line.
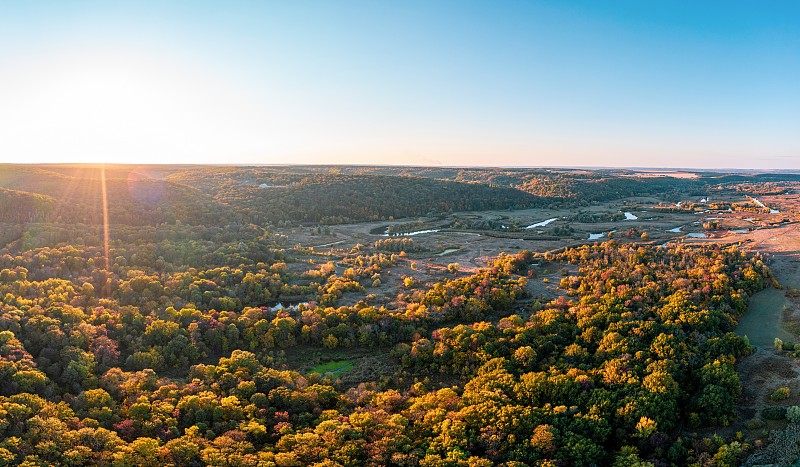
<point x="204" y="333"/>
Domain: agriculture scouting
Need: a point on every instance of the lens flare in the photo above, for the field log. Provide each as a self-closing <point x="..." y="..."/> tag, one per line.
<point x="105" y="212"/>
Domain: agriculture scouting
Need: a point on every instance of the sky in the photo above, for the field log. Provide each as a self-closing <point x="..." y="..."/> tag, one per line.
<point x="691" y="84"/>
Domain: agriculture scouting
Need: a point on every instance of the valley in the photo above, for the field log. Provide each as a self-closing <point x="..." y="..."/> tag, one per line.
<point x="599" y="316"/>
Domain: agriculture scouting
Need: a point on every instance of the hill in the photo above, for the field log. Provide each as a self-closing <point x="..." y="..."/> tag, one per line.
<point x="271" y="195"/>
<point x="17" y="207"/>
<point x="74" y="194"/>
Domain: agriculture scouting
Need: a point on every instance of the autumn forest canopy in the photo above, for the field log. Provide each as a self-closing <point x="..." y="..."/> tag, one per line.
<point x="288" y="316"/>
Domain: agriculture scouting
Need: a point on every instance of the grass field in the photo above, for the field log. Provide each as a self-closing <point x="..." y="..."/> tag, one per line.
<point x="763" y="321"/>
<point x="336" y="367"/>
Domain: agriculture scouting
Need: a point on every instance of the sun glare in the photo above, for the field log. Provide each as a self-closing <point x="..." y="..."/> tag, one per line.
<point x="101" y="108"/>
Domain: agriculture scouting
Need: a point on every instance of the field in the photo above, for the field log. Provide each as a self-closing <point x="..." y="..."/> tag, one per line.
<point x="772" y="313"/>
<point x="441" y="244"/>
<point x="336" y="367"/>
<point x="764" y="320"/>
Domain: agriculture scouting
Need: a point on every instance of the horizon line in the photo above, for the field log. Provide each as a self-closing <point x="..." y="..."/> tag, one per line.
<point x="442" y="166"/>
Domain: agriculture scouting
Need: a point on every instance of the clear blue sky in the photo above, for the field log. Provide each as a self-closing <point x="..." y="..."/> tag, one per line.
<point x="518" y="83"/>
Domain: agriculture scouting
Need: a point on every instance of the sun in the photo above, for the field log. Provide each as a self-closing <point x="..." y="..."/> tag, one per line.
<point x="119" y="108"/>
<point x="107" y="102"/>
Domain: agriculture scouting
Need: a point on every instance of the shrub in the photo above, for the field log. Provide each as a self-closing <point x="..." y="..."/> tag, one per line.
<point x="754" y="424"/>
<point x="783" y="446"/>
<point x="774" y="412"/>
<point x="780" y="394"/>
<point x="793" y="414"/>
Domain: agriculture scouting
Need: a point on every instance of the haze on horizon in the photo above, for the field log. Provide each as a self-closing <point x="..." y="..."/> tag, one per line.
<point x="463" y="83"/>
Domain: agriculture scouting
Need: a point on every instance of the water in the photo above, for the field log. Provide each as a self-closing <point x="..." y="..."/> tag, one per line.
<point x="418" y="232"/>
<point x="630" y="217"/>
<point x="410" y="234"/>
<point x="675" y="230"/>
<point x="447" y="251"/>
<point x="280" y="306"/>
<point x="595" y="236"/>
<point x="762" y="205"/>
<point x="697" y="235"/>
<point x="542" y="224"/>
<point x="739" y="231"/>
<point x="328" y="244"/>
